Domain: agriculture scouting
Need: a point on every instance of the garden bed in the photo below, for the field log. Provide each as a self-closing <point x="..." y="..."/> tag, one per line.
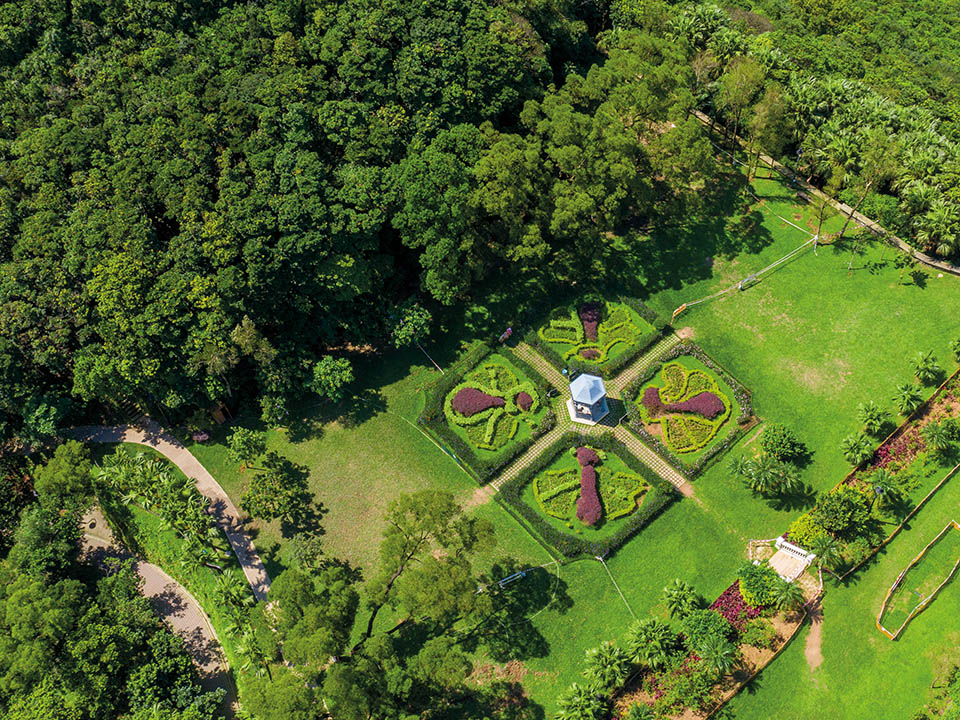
<point x="688" y="408"/>
<point x="599" y="337"/>
<point x="487" y="409"/>
<point x="545" y="495"/>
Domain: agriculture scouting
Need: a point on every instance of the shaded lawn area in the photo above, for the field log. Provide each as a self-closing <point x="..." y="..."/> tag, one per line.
<point x="683" y="542"/>
<point x="360" y="456"/>
<point x="861" y="667"/>
<point x="811" y="342"/>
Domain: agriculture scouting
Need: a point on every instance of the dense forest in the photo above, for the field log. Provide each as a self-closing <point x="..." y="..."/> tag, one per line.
<point x="205" y="203"/>
<point x="197" y="201"/>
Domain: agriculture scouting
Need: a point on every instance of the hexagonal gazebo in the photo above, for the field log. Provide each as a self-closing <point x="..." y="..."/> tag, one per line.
<point x="588" y="400"/>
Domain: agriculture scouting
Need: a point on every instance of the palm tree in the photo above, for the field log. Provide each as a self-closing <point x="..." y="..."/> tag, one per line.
<point x="856" y="448"/>
<point x="764" y="474"/>
<point x="606" y="667"/>
<point x="955" y="349"/>
<point x="649" y="642"/>
<point x="885" y="487"/>
<point x="872" y="416"/>
<point x="827" y="550"/>
<point x="787" y="595"/>
<point x="680" y="598"/>
<point x="580" y="703"/>
<point x="938" y="436"/>
<point x="740" y="465"/>
<point x="908" y="398"/>
<point x="640" y="711"/>
<point x="719" y="653"/>
<point x="926" y="368"/>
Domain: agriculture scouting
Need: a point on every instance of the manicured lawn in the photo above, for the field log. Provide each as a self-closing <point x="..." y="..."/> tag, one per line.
<point x="861" y="667"/>
<point x="360" y="456"/>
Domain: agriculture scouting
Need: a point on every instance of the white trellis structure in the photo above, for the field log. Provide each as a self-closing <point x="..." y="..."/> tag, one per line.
<point x="790" y="560"/>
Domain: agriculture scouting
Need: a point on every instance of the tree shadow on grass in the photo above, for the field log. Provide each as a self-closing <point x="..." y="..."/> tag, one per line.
<point x="801" y="498"/>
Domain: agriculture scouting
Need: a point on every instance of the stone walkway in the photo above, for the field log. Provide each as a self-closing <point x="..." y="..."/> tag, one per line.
<point x="171" y="601"/>
<point x="632" y="371"/>
<point x="539" y="363"/>
<point x="225" y="513"/>
<point x="656" y="463"/>
<point x="541" y="444"/>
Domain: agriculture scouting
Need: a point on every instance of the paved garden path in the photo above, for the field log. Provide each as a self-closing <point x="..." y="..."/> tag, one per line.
<point x="531" y="453"/>
<point x="633" y="370"/>
<point x="171" y="601"/>
<point x="225" y="513"/>
<point x="541" y="365"/>
<point x="656" y="463"/>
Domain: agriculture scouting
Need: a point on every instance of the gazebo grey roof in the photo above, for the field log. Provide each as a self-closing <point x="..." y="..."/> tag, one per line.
<point x="587" y="389"/>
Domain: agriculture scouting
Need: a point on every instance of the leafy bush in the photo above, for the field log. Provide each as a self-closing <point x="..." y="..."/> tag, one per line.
<point x="469" y="401"/>
<point x="760" y="633"/>
<point x="524" y="401"/>
<point x="758" y="584"/>
<point x="590" y="314"/>
<point x="699" y="626"/>
<point x="844" y="511"/>
<point x="734" y="609"/>
<point x="856" y="448"/>
<point x="589" y="510"/>
<point x="806" y="531"/>
<point x="778" y="440"/>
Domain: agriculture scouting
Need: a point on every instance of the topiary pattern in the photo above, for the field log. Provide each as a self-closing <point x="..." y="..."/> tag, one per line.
<point x="490" y="403"/>
<point x="689" y="406"/>
<point x="593" y="330"/>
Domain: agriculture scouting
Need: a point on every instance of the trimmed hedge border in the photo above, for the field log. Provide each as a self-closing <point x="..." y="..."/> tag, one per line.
<point x="660" y="495"/>
<point x="745" y="421"/>
<point x="609" y="368"/>
<point x="433" y="418"/>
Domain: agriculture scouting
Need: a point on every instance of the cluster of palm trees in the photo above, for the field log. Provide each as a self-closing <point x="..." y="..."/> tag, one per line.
<point x="765" y="474"/>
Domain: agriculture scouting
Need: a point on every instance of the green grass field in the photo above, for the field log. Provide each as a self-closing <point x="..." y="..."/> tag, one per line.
<point x="922" y="579"/>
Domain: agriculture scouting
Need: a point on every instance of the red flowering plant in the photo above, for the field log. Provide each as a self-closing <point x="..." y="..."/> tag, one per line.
<point x="469" y="401"/>
<point x="524" y="401"/>
<point x="589" y="510"/>
<point x="705" y="403"/>
<point x="734" y="608"/>
<point x="590" y="317"/>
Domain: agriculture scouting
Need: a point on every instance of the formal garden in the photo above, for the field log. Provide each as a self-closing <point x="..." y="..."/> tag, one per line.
<point x="689" y="408"/>
<point x="596" y="335"/>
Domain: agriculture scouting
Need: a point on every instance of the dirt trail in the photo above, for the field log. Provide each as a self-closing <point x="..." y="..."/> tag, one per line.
<point x="812" y="649"/>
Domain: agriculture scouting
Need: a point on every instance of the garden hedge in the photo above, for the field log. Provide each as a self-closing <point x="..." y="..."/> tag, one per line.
<point x="434" y="421"/>
<point x="660" y="495"/>
<point x="713" y="453"/>
<point x="609" y="368"/>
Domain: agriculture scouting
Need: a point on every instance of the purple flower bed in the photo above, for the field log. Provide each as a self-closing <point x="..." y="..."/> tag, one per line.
<point x="900" y="450"/>
<point x="587" y="456"/>
<point x="470" y="401"/>
<point x="589" y="314"/>
<point x="705" y="403"/>
<point x="524" y="401"/>
<point x="589" y="353"/>
<point x="734" y="608"/>
<point x="589" y="509"/>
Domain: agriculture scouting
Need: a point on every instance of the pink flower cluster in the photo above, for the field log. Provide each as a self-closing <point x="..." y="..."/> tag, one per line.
<point x="734" y="608"/>
<point x="470" y="401"/>
<point x="589" y="510"/>
<point x="590" y="317"/>
<point x="705" y="404"/>
<point x="900" y="450"/>
<point x="524" y="401"/>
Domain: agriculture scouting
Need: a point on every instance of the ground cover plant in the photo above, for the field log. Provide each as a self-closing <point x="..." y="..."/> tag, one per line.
<point x="487" y="408"/>
<point x="549" y="494"/>
<point x="684" y="405"/>
<point x="917" y="585"/>
<point x="596" y="336"/>
<point x="591" y="490"/>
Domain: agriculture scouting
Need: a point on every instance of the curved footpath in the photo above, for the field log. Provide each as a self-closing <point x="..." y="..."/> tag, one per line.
<point x="225" y="513"/>
<point x="171" y="601"/>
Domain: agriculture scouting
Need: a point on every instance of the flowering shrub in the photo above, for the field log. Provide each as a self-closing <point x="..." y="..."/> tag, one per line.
<point x="589" y="509"/>
<point x="589" y="353"/>
<point x="587" y="456"/>
<point x="524" y="401"/>
<point x="470" y="401"/>
<point x="589" y="314"/>
<point x="705" y="403"/>
<point x="734" y="608"/>
<point x="900" y="451"/>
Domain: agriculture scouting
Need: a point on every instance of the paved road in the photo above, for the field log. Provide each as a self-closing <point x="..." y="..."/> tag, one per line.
<point x="225" y="513"/>
<point x="171" y="601"/>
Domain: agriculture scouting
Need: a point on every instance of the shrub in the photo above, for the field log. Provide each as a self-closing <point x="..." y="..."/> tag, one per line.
<point x="589" y="315"/>
<point x="470" y="401"/>
<point x="704" y="403"/>
<point x="872" y="416"/>
<point x="856" y="448"/>
<point x="758" y="584"/>
<point x="778" y="440"/>
<point x="524" y="401"/>
<point x="734" y="609"/>
<point x="699" y="626"/>
<point x="806" y="532"/>
<point x="587" y="456"/>
<point x="760" y="633"/>
<point x="844" y="511"/>
<point x="589" y="510"/>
